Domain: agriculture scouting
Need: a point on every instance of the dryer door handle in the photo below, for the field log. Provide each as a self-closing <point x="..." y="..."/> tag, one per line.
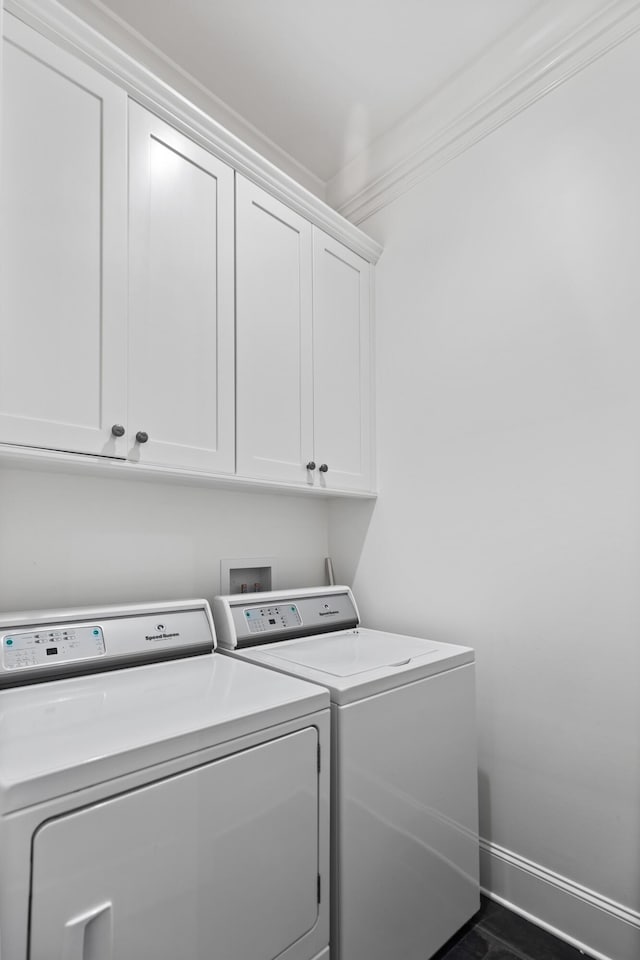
<point x="77" y="944"/>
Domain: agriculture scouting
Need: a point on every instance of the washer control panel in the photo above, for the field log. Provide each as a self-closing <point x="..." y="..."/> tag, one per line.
<point x="277" y="617"/>
<point x="247" y="619"/>
<point x="64" y="643"/>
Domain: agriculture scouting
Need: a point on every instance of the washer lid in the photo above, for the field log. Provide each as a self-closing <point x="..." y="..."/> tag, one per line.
<point x="350" y="654"/>
<point x="356" y="664"/>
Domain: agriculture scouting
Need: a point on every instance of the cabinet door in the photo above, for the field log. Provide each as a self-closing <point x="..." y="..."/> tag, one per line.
<point x="273" y="337"/>
<point x="63" y="250"/>
<point x="218" y="863"/>
<point x="341" y="365"/>
<point x="181" y="364"/>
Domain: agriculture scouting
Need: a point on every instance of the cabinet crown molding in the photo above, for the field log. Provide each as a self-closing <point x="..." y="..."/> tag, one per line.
<point x="549" y="46"/>
<point x="73" y="34"/>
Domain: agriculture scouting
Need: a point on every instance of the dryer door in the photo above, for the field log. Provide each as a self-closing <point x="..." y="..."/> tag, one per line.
<point x="218" y="862"/>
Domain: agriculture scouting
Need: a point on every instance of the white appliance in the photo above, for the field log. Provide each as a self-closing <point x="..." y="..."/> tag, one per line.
<point x="404" y="799"/>
<point x="171" y="809"/>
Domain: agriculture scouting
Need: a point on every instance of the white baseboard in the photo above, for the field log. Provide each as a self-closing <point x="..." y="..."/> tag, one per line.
<point x="594" y="924"/>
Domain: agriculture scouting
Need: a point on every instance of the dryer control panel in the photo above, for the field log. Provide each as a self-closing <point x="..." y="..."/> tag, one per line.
<point x="64" y="643"/>
<point x="45" y="645"/>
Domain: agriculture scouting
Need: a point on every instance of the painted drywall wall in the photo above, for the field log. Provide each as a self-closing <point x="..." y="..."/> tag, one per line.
<point x="70" y="539"/>
<point x="508" y="342"/>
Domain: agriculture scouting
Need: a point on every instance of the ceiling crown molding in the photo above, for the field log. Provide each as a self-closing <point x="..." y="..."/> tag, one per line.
<point x="548" y="47"/>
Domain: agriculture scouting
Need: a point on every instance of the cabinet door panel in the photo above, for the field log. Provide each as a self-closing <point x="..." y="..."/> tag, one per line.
<point x="341" y="363"/>
<point x="181" y="355"/>
<point x="273" y="337"/>
<point x="63" y="289"/>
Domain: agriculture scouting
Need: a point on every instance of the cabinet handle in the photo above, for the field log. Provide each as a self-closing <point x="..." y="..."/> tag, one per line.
<point x="323" y="468"/>
<point x="141" y="436"/>
<point x="311" y="465"/>
<point x="117" y="430"/>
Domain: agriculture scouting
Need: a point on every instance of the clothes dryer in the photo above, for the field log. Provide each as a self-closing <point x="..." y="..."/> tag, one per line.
<point x="159" y="810"/>
<point x="404" y="799"/>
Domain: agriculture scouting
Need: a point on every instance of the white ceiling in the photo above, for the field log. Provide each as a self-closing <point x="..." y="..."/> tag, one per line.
<point x="322" y="79"/>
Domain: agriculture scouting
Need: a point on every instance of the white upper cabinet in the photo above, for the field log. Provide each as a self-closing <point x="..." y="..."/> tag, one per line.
<point x="341" y="365"/>
<point x="181" y="359"/>
<point x="117" y="285"/>
<point x="274" y="385"/>
<point x="303" y="349"/>
<point x="159" y="308"/>
<point x="63" y="217"/>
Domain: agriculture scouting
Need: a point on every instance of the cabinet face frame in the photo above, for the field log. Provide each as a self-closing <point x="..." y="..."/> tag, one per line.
<point x="71" y="335"/>
<point x="181" y="306"/>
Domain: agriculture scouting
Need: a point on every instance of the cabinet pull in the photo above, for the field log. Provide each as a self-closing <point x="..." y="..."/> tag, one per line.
<point x="117" y="430"/>
<point x="141" y="436"/>
<point x="323" y="468"/>
<point x="311" y="465"/>
<point x="76" y="942"/>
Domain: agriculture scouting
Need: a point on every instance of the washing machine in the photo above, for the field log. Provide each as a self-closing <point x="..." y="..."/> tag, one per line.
<point x="404" y="796"/>
<point x="157" y="800"/>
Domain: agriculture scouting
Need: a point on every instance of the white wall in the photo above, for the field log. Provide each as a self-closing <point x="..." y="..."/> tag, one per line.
<point x="508" y="344"/>
<point x="69" y="539"/>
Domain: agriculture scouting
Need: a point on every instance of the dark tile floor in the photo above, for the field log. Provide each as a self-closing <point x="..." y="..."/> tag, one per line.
<point x="496" y="933"/>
